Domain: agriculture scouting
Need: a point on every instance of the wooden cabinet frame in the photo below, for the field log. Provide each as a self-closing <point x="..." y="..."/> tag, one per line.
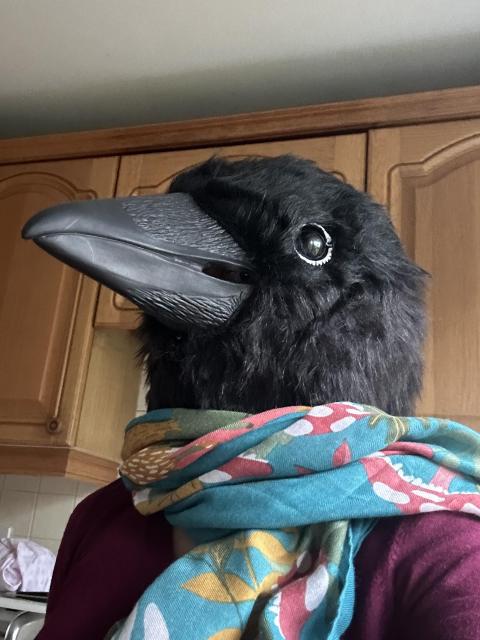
<point x="360" y="116"/>
<point x="281" y="124"/>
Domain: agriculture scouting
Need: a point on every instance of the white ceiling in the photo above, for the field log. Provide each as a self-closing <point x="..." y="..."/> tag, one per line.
<point x="67" y="65"/>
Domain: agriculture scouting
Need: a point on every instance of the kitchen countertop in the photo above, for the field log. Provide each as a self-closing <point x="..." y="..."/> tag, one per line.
<point x="22" y="604"/>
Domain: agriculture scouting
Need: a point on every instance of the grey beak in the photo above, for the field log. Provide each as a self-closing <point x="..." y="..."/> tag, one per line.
<point x="162" y="252"/>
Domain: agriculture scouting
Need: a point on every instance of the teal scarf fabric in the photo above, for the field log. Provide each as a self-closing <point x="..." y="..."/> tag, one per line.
<point x="278" y="504"/>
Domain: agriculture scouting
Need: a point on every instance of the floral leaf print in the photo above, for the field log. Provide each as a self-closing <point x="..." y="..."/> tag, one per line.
<point x="216" y="553"/>
<point x="127" y="628"/>
<point x="268" y="544"/>
<point x="411" y="494"/>
<point x="246" y="465"/>
<point x="295" y="603"/>
<point x="227" y="634"/>
<point x="466" y="445"/>
<point x="149" y="464"/>
<point x="161" y="501"/>
<point x="332" y="540"/>
<point x="220" y="553"/>
<point x="327" y="419"/>
<point x="265" y="448"/>
<point x="143" y="435"/>
<point x="397" y="427"/>
<point x="316" y="587"/>
<point x="188" y="455"/>
<point x="228" y="588"/>
<point x="154" y="625"/>
<point x="270" y="581"/>
<point x="342" y="455"/>
<point x="291" y="578"/>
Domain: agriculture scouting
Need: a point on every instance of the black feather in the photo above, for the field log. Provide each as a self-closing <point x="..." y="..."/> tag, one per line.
<point x="352" y="329"/>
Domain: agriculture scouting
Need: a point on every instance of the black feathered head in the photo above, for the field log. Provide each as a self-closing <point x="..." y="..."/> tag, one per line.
<point x="322" y="323"/>
<point x="294" y="290"/>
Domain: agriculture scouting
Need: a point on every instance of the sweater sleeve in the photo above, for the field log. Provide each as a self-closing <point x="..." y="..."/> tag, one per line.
<point x="108" y="556"/>
<point x="85" y="523"/>
<point x="70" y="544"/>
<point x="437" y="577"/>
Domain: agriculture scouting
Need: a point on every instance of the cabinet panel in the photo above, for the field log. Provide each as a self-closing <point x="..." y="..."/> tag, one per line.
<point x="152" y="173"/>
<point x="429" y="178"/>
<point x="39" y="299"/>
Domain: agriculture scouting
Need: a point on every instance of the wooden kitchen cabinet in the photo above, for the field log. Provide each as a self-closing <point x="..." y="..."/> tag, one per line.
<point x="428" y="176"/>
<point x="48" y="348"/>
<point x="147" y="174"/>
<point x="68" y="380"/>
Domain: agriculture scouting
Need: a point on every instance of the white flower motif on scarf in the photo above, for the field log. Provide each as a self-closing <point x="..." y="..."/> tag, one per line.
<point x="155" y="627"/>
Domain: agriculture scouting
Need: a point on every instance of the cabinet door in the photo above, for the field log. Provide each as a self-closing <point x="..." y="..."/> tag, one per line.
<point x="46" y="308"/>
<point x="345" y="156"/>
<point x="429" y="178"/>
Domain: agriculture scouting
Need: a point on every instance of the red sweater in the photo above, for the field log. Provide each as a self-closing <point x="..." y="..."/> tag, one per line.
<point x="416" y="576"/>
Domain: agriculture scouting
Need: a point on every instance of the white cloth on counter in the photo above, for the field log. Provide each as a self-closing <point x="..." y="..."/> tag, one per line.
<point x="25" y="565"/>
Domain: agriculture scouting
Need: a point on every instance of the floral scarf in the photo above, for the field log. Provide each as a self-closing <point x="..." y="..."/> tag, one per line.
<point x="278" y="504"/>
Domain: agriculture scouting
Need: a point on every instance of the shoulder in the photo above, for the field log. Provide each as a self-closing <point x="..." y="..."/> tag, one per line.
<point x="111" y="497"/>
<point x="416" y="576"/>
<point x="92" y="515"/>
<point x="410" y="544"/>
<point x="416" y="528"/>
<point x="109" y="514"/>
<point x="434" y="566"/>
<point x="433" y="533"/>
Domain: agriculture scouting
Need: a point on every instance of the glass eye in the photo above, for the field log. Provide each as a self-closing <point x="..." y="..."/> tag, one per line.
<point x="314" y="245"/>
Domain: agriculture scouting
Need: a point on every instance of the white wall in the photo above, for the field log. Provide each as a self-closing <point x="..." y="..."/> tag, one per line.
<point x="97" y="63"/>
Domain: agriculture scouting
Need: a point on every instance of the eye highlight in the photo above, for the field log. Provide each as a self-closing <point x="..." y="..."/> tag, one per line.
<point x="314" y="244"/>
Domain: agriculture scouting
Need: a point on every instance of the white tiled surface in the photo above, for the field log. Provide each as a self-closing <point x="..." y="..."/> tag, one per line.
<point x="51" y="514"/>
<point x="56" y="485"/>
<point x="38" y="507"/>
<point x="16" y="510"/>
